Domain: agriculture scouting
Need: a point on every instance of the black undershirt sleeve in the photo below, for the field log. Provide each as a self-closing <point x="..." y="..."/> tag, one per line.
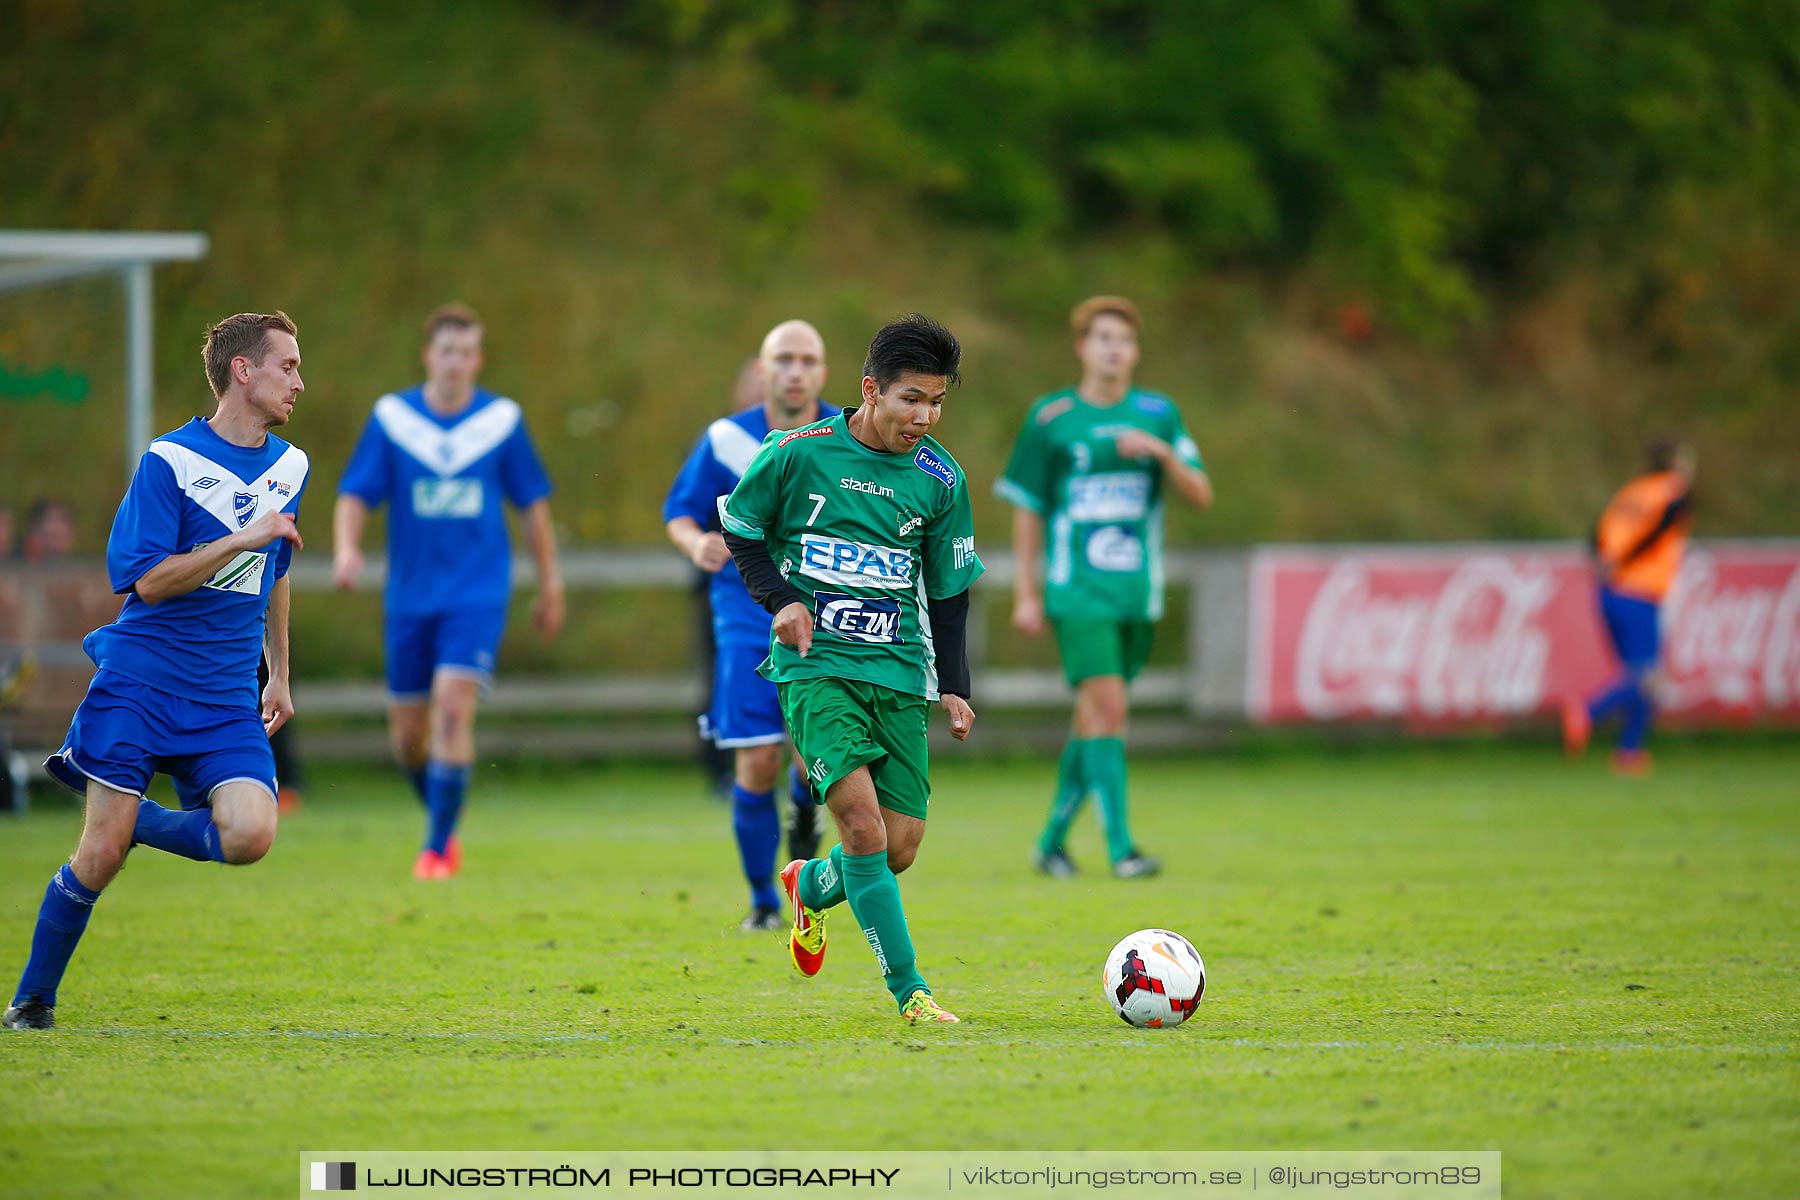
<point x="950" y="632"/>
<point x="761" y="575"/>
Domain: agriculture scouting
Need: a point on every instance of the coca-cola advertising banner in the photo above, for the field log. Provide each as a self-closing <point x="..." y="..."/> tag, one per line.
<point x="1472" y="634"/>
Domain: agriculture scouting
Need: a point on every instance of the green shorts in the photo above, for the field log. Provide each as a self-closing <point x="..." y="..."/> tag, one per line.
<point x="1094" y="646"/>
<point x="842" y="724"/>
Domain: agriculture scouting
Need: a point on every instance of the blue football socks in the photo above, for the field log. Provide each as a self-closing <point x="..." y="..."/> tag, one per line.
<point x="190" y="834"/>
<point x="446" y="785"/>
<point x="416" y="777"/>
<point x="758" y="829"/>
<point x="799" y="788"/>
<point x="61" y="920"/>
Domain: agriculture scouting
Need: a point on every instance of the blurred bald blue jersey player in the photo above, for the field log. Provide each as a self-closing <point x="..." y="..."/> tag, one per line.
<point x="745" y="715"/>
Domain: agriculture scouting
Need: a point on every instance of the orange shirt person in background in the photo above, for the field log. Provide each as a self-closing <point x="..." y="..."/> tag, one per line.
<point x="1638" y="545"/>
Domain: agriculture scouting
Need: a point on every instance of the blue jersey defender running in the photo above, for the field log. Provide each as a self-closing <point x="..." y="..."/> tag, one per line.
<point x="200" y="550"/>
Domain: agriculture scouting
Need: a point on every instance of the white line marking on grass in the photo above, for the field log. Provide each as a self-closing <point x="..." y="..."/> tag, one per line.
<point x="1110" y="1043"/>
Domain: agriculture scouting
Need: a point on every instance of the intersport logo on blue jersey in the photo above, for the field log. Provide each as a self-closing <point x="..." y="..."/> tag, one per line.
<point x="855" y="564"/>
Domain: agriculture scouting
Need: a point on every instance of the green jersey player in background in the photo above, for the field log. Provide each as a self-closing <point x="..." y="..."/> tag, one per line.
<point x="1089" y="469"/>
<point x="855" y="532"/>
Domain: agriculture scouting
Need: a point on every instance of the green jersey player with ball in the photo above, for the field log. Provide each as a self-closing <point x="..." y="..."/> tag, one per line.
<point x="855" y="532"/>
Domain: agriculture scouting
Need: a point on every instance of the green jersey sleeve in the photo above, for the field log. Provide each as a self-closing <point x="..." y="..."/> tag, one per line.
<point x="951" y="564"/>
<point x="1182" y="441"/>
<point x="753" y="504"/>
<point x="1027" y="481"/>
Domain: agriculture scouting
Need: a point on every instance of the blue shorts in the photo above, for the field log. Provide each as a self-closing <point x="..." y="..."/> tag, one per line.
<point x="419" y="646"/>
<point x="124" y="733"/>
<point x="1632" y="623"/>
<point x="745" y="709"/>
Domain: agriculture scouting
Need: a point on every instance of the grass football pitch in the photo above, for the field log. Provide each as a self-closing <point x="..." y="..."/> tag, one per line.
<point x="1455" y="947"/>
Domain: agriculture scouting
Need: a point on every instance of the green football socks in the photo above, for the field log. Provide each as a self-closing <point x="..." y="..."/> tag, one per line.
<point x="1105" y="762"/>
<point x="874" y="896"/>
<point x="1071" y="793"/>
<point x="822" y="879"/>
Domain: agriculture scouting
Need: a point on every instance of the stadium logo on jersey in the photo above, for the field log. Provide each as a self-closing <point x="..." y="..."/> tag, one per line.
<point x="1109" y="496"/>
<point x="821" y="431"/>
<point x="858" y="619"/>
<point x="855" y="564"/>
<point x="935" y="467"/>
<point x="434" y="498"/>
<point x="866" y="488"/>
<point x="285" y="489"/>
<point x="200" y="485"/>
<point x="243" y="507"/>
<point x="1115" y="548"/>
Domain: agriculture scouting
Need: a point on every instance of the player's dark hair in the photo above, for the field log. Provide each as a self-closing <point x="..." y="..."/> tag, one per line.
<point x="450" y="316"/>
<point x="245" y="335"/>
<point x="914" y="343"/>
<point x="1661" y="453"/>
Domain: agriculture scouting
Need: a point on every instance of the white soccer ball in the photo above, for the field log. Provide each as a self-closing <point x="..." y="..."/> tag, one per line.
<point x="1154" y="979"/>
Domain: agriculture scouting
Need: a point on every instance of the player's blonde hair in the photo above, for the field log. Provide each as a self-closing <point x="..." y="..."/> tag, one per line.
<point x="1081" y="317"/>
<point x="243" y="335"/>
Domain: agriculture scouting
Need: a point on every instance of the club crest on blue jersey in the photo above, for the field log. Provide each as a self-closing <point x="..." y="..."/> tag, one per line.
<point x="243" y="507"/>
<point x="935" y="467"/>
<point x="858" y="618"/>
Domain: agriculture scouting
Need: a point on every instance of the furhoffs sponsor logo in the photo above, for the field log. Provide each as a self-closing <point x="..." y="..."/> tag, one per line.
<point x="334" y="1177"/>
<point x="935" y="467"/>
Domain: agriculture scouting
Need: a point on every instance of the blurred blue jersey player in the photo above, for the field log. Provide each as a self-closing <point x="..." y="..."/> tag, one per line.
<point x="445" y="456"/>
<point x="200" y="550"/>
<point x="746" y="715"/>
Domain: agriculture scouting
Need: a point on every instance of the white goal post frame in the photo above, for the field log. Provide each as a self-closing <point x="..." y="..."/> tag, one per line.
<point x="39" y="257"/>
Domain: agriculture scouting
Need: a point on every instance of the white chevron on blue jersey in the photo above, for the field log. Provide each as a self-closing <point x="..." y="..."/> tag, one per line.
<point x="447" y="451"/>
<point x="233" y="501"/>
<point x="733" y="445"/>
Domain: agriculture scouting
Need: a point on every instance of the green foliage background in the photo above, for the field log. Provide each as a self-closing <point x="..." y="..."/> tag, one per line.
<point x="1564" y="226"/>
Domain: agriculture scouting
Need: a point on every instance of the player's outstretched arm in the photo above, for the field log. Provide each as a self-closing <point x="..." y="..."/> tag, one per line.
<point x="348" y="519"/>
<point x="548" y="612"/>
<point x="962" y="717"/>
<point x="705" y="550"/>
<point x="950" y="640"/>
<point x="277" y="698"/>
<point x="793" y="626"/>
<point x="793" y="623"/>
<point x="180" y="574"/>
<point x="1189" y="481"/>
<point x="1028" y="577"/>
